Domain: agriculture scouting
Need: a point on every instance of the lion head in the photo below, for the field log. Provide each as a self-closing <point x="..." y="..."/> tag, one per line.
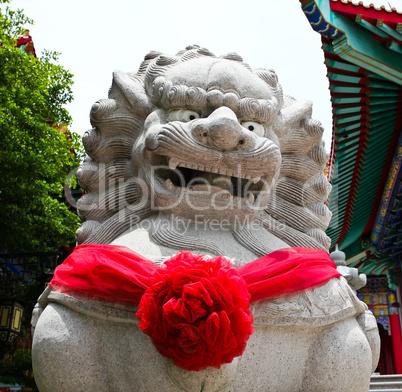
<point x="199" y="135"/>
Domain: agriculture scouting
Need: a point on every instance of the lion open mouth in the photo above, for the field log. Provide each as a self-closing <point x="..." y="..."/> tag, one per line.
<point x="206" y="181"/>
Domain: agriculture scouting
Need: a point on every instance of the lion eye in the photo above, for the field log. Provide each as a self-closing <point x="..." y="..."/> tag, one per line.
<point x="183" y="115"/>
<point x="255" y="127"/>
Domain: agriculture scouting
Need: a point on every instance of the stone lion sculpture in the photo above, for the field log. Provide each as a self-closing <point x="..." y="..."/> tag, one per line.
<point x="201" y="153"/>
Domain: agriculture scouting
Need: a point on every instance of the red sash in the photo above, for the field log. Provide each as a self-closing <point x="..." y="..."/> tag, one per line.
<point x="196" y="309"/>
<point x="118" y="274"/>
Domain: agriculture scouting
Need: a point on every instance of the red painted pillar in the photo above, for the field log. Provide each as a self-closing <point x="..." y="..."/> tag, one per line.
<point x="396" y="341"/>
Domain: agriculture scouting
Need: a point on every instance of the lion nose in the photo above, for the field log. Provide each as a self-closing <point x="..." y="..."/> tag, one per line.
<point x="222" y="131"/>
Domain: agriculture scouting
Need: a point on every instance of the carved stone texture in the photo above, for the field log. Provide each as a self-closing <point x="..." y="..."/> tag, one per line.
<point x="202" y="153"/>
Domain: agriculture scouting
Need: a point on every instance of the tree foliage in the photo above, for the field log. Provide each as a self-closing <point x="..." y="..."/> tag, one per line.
<point x="36" y="156"/>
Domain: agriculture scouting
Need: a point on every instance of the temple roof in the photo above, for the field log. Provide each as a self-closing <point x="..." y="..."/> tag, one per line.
<point x="362" y="50"/>
<point x="351" y="6"/>
<point x="384" y="24"/>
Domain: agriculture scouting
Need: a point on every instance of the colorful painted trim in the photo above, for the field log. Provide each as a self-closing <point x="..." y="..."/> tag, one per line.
<point x="344" y="50"/>
<point x="369" y="11"/>
<point x="388" y="192"/>
<point x="318" y="23"/>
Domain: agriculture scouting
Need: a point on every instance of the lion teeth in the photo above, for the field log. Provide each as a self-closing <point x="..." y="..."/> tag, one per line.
<point x="169" y="184"/>
<point x="173" y="163"/>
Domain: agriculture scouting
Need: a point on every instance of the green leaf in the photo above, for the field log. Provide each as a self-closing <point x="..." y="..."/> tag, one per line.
<point x="37" y="156"/>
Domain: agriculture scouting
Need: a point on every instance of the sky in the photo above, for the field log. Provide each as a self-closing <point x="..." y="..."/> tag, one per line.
<point x="96" y="37"/>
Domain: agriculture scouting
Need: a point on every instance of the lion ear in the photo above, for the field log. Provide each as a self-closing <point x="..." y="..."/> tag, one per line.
<point x="292" y="114"/>
<point x="132" y="90"/>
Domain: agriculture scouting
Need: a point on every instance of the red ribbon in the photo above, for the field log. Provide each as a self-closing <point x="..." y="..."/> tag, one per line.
<point x="118" y="274"/>
<point x="194" y="308"/>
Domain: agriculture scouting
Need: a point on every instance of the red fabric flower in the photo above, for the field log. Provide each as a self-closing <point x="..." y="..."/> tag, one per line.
<point x="196" y="311"/>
